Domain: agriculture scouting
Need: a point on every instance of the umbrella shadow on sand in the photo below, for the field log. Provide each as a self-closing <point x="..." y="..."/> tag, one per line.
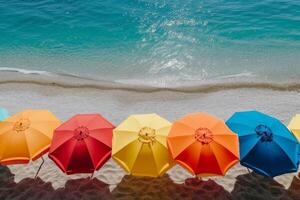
<point x="255" y="186"/>
<point x="164" y="188"/>
<point x="294" y="189"/>
<point x="84" y="188"/>
<point x="247" y="186"/>
<point x="37" y="189"/>
<point x="27" y="188"/>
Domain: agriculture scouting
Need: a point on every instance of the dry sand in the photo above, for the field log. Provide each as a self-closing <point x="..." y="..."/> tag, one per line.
<point x="110" y="182"/>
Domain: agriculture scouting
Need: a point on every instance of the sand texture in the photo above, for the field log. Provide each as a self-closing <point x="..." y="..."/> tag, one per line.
<point x="111" y="182"/>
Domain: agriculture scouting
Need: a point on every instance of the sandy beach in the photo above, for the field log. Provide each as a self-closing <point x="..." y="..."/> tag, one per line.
<point x="110" y="182"/>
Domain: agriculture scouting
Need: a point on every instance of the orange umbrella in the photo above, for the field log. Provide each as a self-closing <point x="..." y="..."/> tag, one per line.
<point x="26" y="136"/>
<point x="203" y="144"/>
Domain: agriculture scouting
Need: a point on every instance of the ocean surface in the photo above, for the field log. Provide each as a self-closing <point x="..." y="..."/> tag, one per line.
<point x="151" y="42"/>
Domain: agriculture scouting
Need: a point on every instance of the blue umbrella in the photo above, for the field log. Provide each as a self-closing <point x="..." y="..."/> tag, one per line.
<point x="266" y="145"/>
<point x="3" y="114"/>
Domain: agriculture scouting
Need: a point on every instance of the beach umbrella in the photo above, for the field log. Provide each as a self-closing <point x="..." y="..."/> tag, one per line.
<point x="203" y="144"/>
<point x="82" y="144"/>
<point x="26" y="136"/>
<point x="294" y="126"/>
<point x="140" y="146"/>
<point x="3" y="114"/>
<point x="266" y="145"/>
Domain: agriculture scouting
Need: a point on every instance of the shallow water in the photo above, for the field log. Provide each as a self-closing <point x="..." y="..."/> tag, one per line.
<point x="153" y="42"/>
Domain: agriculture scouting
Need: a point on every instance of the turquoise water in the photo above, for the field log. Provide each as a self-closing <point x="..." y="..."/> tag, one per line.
<point x="153" y="42"/>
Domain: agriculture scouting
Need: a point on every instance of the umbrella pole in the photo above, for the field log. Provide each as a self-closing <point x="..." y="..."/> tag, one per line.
<point x="39" y="167"/>
<point x="92" y="175"/>
<point x="248" y="170"/>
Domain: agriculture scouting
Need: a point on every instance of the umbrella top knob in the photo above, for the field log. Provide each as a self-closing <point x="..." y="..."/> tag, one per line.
<point x="81" y="133"/>
<point x="147" y="135"/>
<point x="21" y="125"/>
<point x="264" y="132"/>
<point x="204" y="135"/>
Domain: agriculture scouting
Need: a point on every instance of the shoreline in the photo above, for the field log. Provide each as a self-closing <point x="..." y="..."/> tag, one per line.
<point x="67" y="81"/>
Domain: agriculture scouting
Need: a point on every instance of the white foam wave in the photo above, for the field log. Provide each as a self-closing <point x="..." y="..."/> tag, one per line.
<point x="25" y="71"/>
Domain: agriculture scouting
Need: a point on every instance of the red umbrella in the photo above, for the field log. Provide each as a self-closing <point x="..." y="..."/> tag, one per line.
<point x="82" y="144"/>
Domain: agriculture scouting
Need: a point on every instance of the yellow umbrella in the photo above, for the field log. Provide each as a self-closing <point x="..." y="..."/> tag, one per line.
<point x="140" y="146"/>
<point x="294" y="126"/>
<point x="26" y="136"/>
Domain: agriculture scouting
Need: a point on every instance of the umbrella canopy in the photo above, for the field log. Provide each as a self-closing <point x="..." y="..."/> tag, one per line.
<point x="3" y="114"/>
<point x="294" y="126"/>
<point x="140" y="146"/>
<point x="26" y="136"/>
<point x="203" y="144"/>
<point x="82" y="144"/>
<point x="266" y="145"/>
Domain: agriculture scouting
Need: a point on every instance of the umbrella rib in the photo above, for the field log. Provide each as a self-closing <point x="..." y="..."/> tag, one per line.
<point x="89" y="154"/>
<point x="277" y="122"/>
<point x="286" y="153"/>
<point x="246" y="135"/>
<point x="41" y="132"/>
<point x="94" y="118"/>
<point x="166" y="124"/>
<point x="287" y="139"/>
<point x="184" y="124"/>
<point x="185" y="135"/>
<point x="270" y="167"/>
<point x="218" y="121"/>
<point x="238" y="124"/>
<point x="137" y="121"/>
<point x="287" y="131"/>
<point x="183" y="149"/>
<point x="94" y="138"/>
<point x="252" y="146"/>
<point x="195" y="171"/>
<point x="10" y="129"/>
<point x="268" y="172"/>
<point x="53" y="154"/>
<point x="216" y="159"/>
<point x="136" y="157"/>
<point x="4" y="149"/>
<point x="98" y="141"/>
<point x="225" y="149"/>
<point x="101" y="129"/>
<point x="63" y="142"/>
<point x="217" y="124"/>
<point x="68" y="163"/>
<point x="127" y="143"/>
<point x="152" y="153"/>
<point x="125" y="122"/>
<point x="6" y="132"/>
<point x="159" y="130"/>
<point x="90" y="121"/>
<point x="25" y="135"/>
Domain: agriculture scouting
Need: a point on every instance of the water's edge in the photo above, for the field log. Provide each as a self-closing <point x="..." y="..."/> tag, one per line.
<point x="74" y="82"/>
